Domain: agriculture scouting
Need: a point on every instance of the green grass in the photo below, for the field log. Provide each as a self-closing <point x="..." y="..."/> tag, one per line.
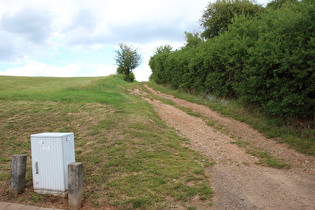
<point x="72" y="90"/>
<point x="172" y="103"/>
<point x="131" y="158"/>
<point x="298" y="134"/>
<point x="264" y="157"/>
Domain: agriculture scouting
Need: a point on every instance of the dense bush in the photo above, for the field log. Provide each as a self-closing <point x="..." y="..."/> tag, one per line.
<point x="268" y="60"/>
<point x="219" y="14"/>
<point x="280" y="72"/>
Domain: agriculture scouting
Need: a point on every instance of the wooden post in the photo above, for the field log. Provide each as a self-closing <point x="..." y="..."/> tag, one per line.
<point x="75" y="185"/>
<point x="18" y="171"/>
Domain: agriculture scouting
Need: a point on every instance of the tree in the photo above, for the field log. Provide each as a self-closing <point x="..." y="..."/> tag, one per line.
<point x="192" y="39"/>
<point x="219" y="15"/>
<point x="127" y="59"/>
<point x="277" y="4"/>
<point x="157" y="64"/>
<point x="163" y="49"/>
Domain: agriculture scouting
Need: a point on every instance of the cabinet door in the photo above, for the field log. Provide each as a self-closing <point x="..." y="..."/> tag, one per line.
<point x="47" y="160"/>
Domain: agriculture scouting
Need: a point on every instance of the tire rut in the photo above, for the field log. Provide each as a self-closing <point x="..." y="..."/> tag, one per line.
<point x="237" y="181"/>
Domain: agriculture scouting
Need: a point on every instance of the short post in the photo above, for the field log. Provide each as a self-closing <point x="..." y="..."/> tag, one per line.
<point x="18" y="171"/>
<point x="75" y="185"/>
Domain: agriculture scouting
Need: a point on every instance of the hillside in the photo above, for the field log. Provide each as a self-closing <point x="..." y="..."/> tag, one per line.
<point x="131" y="158"/>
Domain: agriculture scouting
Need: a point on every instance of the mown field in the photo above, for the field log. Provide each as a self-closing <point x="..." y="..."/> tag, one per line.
<point x="131" y="158"/>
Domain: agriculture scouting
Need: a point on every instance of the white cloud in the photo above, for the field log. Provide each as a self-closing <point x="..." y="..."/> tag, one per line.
<point x="23" y="33"/>
<point x="35" y="68"/>
<point x="32" y="28"/>
<point x="142" y="73"/>
<point x="31" y="24"/>
<point x="101" y="70"/>
<point x="41" y="29"/>
<point x="112" y="22"/>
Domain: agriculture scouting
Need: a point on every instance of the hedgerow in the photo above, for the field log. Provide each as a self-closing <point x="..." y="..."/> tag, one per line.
<point x="268" y="60"/>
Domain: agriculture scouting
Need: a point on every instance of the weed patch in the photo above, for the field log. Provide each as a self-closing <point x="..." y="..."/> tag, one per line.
<point x="265" y="158"/>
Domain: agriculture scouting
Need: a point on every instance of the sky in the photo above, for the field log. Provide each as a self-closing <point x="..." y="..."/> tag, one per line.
<point x="76" y="38"/>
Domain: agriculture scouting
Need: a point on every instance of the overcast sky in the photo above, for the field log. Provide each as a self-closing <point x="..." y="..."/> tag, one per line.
<point x="69" y="38"/>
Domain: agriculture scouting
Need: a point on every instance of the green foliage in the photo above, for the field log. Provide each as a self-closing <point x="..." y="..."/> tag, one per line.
<point x="192" y="39"/>
<point x="127" y="60"/>
<point x="219" y="15"/>
<point x="157" y="62"/>
<point x="120" y="70"/>
<point x="280" y="73"/>
<point x="130" y="77"/>
<point x="163" y="49"/>
<point x="277" y="4"/>
<point x="266" y="61"/>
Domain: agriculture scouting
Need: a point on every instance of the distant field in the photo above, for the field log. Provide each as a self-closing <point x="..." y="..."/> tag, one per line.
<point x="81" y="89"/>
<point x="131" y="158"/>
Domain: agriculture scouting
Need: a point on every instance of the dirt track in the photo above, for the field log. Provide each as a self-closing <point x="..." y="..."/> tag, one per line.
<point x="238" y="182"/>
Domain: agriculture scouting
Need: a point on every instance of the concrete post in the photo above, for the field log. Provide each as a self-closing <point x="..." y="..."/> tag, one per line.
<point x="75" y="185"/>
<point x="18" y="171"/>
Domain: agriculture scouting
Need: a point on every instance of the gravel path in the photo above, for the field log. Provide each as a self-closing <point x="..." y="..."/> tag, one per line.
<point x="238" y="182"/>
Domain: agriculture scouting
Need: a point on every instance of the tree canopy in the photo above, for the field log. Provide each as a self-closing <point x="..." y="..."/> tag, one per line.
<point x="127" y="58"/>
<point x="192" y="39"/>
<point x="217" y="16"/>
<point x="277" y="4"/>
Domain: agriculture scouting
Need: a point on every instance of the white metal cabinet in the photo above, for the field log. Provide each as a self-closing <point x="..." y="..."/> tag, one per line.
<point x="51" y="154"/>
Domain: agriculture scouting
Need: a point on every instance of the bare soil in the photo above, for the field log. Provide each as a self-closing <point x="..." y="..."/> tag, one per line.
<point x="238" y="182"/>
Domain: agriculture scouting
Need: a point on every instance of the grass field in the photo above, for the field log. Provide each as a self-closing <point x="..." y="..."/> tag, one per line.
<point x="131" y="158"/>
